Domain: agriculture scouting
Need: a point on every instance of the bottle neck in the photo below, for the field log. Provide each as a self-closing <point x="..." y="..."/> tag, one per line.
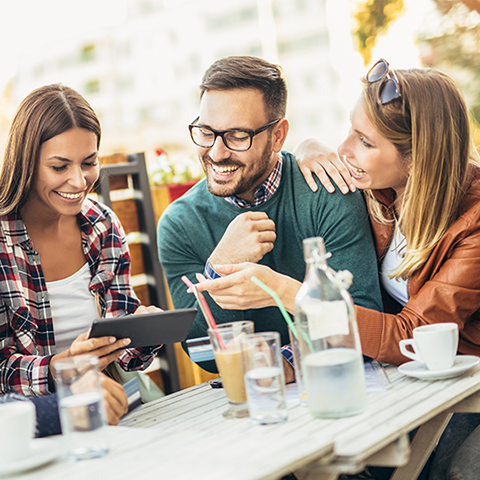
<point x="313" y="265"/>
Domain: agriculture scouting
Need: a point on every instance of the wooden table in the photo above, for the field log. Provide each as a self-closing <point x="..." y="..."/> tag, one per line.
<point x="184" y="436"/>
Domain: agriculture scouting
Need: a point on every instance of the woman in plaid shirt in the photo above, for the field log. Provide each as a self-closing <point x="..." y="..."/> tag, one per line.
<point x="64" y="260"/>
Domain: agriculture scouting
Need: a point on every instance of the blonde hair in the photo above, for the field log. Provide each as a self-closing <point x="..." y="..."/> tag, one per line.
<point x="430" y="127"/>
<point x="45" y="113"/>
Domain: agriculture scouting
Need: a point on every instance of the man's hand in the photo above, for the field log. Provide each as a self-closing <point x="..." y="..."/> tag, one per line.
<point x="247" y="239"/>
<point x="236" y="291"/>
<point x="115" y="398"/>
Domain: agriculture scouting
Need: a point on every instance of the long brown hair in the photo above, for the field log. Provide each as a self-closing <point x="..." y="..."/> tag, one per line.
<point x="45" y="113"/>
<point x="429" y="125"/>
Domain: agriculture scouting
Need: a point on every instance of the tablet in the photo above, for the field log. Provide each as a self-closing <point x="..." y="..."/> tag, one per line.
<point x="147" y="329"/>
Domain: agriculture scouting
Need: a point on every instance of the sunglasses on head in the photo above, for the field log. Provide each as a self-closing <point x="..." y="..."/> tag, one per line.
<point x="389" y="91"/>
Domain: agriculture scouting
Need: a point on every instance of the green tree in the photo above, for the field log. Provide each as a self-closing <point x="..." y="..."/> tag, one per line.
<point x="455" y="48"/>
<point x="373" y="18"/>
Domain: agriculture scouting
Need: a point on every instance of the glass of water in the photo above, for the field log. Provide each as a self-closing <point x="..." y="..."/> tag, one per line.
<point x="82" y="410"/>
<point x="302" y="392"/>
<point x="264" y="378"/>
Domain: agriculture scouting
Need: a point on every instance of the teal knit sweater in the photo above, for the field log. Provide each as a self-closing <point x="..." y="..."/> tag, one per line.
<point x="191" y="227"/>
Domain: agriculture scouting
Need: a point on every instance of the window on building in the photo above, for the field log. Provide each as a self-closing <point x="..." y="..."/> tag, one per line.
<point x="254" y="50"/>
<point x="67" y="62"/>
<point x="38" y="71"/>
<point x="284" y="8"/>
<point x="146" y="6"/>
<point x="310" y="81"/>
<point x="145" y="114"/>
<point x="125" y="83"/>
<point x="233" y="19"/>
<point x="301" y="5"/>
<point x="303" y="43"/>
<point x="123" y="50"/>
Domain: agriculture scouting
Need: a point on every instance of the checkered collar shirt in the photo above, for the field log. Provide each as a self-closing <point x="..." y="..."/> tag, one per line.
<point x="264" y="191"/>
<point x="261" y="195"/>
<point x="27" y="340"/>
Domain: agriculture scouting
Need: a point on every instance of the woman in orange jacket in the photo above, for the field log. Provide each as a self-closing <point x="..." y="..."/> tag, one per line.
<point x="411" y="154"/>
<point x="410" y="151"/>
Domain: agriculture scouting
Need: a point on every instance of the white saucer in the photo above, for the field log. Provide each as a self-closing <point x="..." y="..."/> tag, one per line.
<point x="420" y="370"/>
<point x="41" y="451"/>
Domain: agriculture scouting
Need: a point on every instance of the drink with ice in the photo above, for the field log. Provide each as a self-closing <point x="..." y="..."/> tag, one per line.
<point x="83" y="423"/>
<point x="335" y="382"/>
<point x="228" y="357"/>
<point x="266" y="395"/>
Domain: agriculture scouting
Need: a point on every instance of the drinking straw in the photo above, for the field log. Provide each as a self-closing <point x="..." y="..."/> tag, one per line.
<point x="205" y="310"/>
<point x="286" y="316"/>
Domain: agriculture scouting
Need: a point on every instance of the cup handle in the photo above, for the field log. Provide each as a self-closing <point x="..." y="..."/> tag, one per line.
<point x="407" y="353"/>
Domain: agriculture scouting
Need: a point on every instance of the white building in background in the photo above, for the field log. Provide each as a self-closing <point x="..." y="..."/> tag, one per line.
<point x="142" y="76"/>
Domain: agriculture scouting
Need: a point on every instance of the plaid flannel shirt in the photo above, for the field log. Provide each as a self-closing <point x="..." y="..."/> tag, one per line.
<point x="27" y="339"/>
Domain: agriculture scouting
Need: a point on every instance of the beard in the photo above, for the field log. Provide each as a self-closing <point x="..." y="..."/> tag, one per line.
<point x="247" y="178"/>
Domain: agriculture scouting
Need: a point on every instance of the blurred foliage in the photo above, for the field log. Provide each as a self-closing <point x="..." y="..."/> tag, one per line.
<point x="372" y="18"/>
<point x="174" y="168"/>
<point x="445" y="6"/>
<point x="455" y="49"/>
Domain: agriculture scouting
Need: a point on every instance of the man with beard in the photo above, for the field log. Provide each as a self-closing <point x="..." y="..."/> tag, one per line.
<point x="254" y="204"/>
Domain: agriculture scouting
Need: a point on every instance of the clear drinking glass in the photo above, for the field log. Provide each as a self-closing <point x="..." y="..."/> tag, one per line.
<point x="264" y="378"/>
<point x="297" y="360"/>
<point x="82" y="410"/>
<point x="225" y="341"/>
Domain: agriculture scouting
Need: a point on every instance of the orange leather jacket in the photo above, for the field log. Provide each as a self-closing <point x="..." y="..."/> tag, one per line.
<point x="445" y="289"/>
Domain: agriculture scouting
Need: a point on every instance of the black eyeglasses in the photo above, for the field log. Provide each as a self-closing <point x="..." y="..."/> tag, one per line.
<point x="234" y="139"/>
<point x="389" y="91"/>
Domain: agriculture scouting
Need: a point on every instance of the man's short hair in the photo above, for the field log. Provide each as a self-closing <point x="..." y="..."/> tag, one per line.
<point x="249" y="72"/>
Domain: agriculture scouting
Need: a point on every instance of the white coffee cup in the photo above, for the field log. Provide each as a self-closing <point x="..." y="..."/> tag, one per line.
<point x="434" y="345"/>
<point x="17" y="425"/>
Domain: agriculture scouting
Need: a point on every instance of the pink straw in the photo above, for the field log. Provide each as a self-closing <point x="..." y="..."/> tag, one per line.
<point x="205" y="310"/>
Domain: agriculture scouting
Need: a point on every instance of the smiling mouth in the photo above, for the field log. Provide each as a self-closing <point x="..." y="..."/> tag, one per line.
<point x="359" y="172"/>
<point x="224" y="170"/>
<point x="70" y="196"/>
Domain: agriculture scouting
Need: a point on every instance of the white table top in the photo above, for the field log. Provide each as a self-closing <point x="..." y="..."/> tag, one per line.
<point x="184" y="436"/>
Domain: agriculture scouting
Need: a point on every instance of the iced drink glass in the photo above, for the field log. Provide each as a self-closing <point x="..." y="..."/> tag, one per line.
<point x="229" y="364"/>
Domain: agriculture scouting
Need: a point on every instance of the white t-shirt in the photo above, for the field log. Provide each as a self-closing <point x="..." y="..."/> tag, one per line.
<point x="396" y="288"/>
<point x="73" y="307"/>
